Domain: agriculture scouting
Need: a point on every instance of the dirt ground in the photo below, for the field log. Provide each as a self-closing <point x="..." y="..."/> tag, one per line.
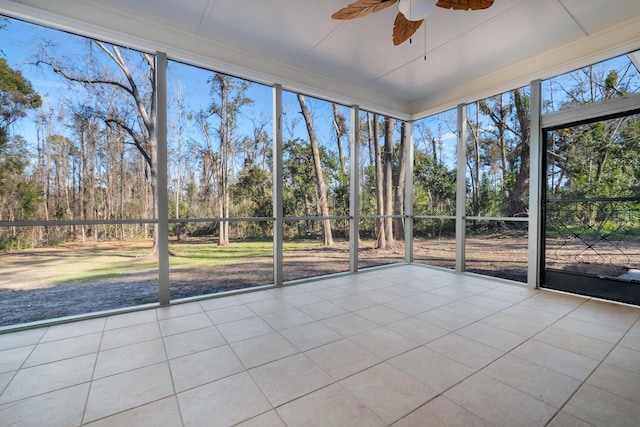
<point x="22" y="302"/>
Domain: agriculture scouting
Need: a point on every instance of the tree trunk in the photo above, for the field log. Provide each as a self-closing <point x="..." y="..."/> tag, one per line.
<point x="322" y="188"/>
<point x="519" y="198"/>
<point x="381" y="235"/>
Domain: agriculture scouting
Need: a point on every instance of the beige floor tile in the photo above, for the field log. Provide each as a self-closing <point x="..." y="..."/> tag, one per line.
<point x="602" y="408"/>
<point x="330" y="406"/>
<point x="625" y="358"/>
<point x="464" y="350"/>
<point x="63" y="349"/>
<point x="129" y="357"/>
<point x="302" y="299"/>
<point x="379" y="296"/>
<point x="631" y="340"/>
<point x="286" y="319"/>
<point x="244" y="329"/>
<point x="263" y="349"/>
<point x="488" y="302"/>
<point x="189" y="322"/>
<point x="502" y="405"/>
<point x="342" y="358"/>
<point x="403" y="290"/>
<point x="21" y="338"/>
<point x="322" y="310"/>
<point x="130" y="335"/>
<point x="162" y="413"/>
<point x="349" y="324"/>
<point x="453" y="291"/>
<point x="562" y="419"/>
<point x="600" y="332"/>
<point x="58" y="408"/>
<point x="617" y="380"/>
<point x="471" y="311"/>
<point x="287" y="290"/>
<point x="504" y="295"/>
<point x="408" y="306"/>
<point x="251" y="297"/>
<point x="223" y="403"/>
<point x="192" y="342"/>
<point x="557" y="359"/>
<point x="556" y="303"/>
<point x="49" y="377"/>
<point x="431" y="368"/>
<point x="271" y="305"/>
<point x="519" y="289"/>
<point x="330" y="293"/>
<point x="289" y="378"/>
<point x="539" y="316"/>
<point x="445" y="319"/>
<point x="352" y="302"/>
<point x="219" y="302"/>
<point x="525" y="328"/>
<point x="432" y="299"/>
<point x="230" y="314"/>
<point x="310" y="335"/>
<point x="74" y="329"/>
<point x="4" y="380"/>
<point x="204" y="367"/>
<point x="178" y="310"/>
<point x="491" y="336"/>
<point x="388" y="392"/>
<point x="537" y="381"/>
<point x="383" y="342"/>
<point x="607" y="313"/>
<point x="580" y="344"/>
<point x="381" y="315"/>
<point x="13" y="358"/>
<point x="417" y="330"/>
<point x="268" y="419"/>
<point x="441" y="412"/>
<point x="128" y="390"/>
<point x="130" y="319"/>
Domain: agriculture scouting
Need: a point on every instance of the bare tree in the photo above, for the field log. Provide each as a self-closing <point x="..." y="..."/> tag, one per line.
<point x="322" y="188"/>
<point x="140" y="129"/>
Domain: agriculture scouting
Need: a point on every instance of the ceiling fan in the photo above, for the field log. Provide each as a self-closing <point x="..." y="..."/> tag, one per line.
<point x="411" y="14"/>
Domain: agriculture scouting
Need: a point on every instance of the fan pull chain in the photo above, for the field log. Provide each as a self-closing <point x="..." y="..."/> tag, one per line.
<point x="425" y="42"/>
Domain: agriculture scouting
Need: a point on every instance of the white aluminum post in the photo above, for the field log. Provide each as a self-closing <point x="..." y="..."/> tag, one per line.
<point x="535" y="186"/>
<point x="408" y="192"/>
<point x="278" y="211"/>
<point x="461" y="188"/>
<point x="354" y="189"/>
<point x="161" y="170"/>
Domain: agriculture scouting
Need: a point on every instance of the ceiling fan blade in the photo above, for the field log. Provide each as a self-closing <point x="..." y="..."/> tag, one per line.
<point x="465" y="4"/>
<point x="403" y="29"/>
<point x="362" y="8"/>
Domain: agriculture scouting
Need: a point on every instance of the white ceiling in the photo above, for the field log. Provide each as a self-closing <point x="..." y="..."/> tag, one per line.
<point x="296" y="43"/>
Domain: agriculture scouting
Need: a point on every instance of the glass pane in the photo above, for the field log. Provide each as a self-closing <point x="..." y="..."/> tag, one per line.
<point x="201" y="266"/>
<point x="612" y="78"/>
<point x="48" y="273"/>
<point x="435" y="164"/>
<point x="434" y="242"/>
<point x="498" y="155"/>
<point x="306" y="256"/>
<point x="498" y="249"/>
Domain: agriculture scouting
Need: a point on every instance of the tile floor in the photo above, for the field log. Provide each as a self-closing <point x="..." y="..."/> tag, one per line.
<point x="403" y="346"/>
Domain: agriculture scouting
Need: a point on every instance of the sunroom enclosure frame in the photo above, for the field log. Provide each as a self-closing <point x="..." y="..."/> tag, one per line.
<point x="630" y="103"/>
